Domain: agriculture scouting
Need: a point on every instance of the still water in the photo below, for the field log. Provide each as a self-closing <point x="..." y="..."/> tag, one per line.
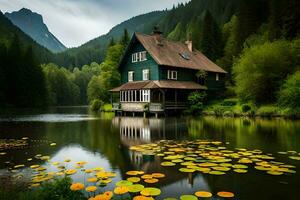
<point x="103" y="140"/>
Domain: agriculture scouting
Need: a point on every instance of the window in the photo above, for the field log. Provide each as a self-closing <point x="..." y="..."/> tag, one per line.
<point x="217" y="77"/>
<point x="130" y="76"/>
<point x="146" y="75"/>
<point x="139" y="56"/>
<point x="134" y="57"/>
<point x="146" y="95"/>
<point x="172" y="75"/>
<point x="143" y="56"/>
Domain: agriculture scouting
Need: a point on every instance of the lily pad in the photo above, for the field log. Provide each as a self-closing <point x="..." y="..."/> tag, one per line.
<point x="225" y="194"/>
<point x="188" y="197"/>
<point x="123" y="183"/>
<point x="135" y="188"/>
<point x="133" y="179"/>
<point x="203" y="194"/>
<point x="187" y="170"/>
<point x="150" y="191"/>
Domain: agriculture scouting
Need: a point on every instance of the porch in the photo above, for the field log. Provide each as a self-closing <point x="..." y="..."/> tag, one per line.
<point x="152" y="96"/>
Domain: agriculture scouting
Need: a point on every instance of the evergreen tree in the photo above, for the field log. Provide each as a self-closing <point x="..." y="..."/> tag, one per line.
<point x="111" y="42"/>
<point x="3" y="60"/>
<point x="211" y="41"/>
<point x="251" y="15"/>
<point x="125" y="38"/>
<point x="178" y="33"/>
<point x="291" y="17"/>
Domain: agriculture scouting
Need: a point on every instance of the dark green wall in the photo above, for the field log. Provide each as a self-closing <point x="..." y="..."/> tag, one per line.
<point x="182" y="74"/>
<point x="138" y="67"/>
<point x="160" y="72"/>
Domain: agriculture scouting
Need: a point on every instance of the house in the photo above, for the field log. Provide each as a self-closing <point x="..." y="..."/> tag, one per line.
<point x="157" y="75"/>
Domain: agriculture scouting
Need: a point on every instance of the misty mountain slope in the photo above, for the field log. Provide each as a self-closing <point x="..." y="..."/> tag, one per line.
<point x="33" y="25"/>
<point x="95" y="49"/>
<point x="7" y="32"/>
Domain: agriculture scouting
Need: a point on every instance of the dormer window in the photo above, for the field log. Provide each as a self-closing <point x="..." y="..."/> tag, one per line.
<point x="130" y="76"/>
<point x="139" y="56"/>
<point x="185" y="55"/>
<point x="172" y="75"/>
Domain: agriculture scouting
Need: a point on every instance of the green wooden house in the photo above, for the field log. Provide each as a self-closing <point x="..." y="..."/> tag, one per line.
<point x="157" y="75"/>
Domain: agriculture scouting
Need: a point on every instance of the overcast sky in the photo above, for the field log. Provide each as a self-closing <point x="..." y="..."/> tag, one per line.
<point x="75" y="22"/>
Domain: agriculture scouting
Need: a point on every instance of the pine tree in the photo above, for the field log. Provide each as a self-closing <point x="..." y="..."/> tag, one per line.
<point x="211" y="42"/>
<point x="111" y="42"/>
<point x="125" y="38"/>
<point x="251" y="15"/>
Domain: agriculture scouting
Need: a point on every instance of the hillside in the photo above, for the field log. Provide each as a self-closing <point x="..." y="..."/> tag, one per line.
<point x="7" y="32"/>
<point x="95" y="49"/>
<point x="33" y="25"/>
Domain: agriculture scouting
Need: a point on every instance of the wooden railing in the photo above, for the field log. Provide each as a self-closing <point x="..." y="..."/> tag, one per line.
<point x="116" y="106"/>
<point x="175" y="105"/>
<point x="156" y="107"/>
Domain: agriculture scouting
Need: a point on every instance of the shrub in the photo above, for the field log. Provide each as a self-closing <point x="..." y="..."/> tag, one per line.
<point x="96" y="105"/>
<point x="196" y="102"/>
<point x="246" y="108"/>
<point x="218" y="110"/>
<point x="289" y="94"/>
<point x="261" y="68"/>
<point x="267" y="111"/>
<point x="229" y="102"/>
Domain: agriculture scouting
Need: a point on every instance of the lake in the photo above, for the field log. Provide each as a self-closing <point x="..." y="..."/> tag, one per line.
<point x="103" y="140"/>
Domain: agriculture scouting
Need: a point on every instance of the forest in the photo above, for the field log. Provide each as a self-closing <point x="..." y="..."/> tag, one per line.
<point x="256" y="42"/>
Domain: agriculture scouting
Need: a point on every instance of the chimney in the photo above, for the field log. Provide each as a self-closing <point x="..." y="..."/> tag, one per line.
<point x="189" y="44"/>
<point x="158" y="35"/>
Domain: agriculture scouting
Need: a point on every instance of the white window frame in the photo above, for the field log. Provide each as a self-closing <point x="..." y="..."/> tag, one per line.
<point x="146" y="74"/>
<point x="130" y="76"/>
<point x="172" y="75"/>
<point x="134" y="57"/>
<point x="143" y="55"/>
<point x="217" y="77"/>
<point x="139" y="56"/>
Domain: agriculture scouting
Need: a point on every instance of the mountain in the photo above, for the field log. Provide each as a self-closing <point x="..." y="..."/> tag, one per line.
<point x="189" y="15"/>
<point x="33" y="25"/>
<point x="7" y="32"/>
<point x="94" y="50"/>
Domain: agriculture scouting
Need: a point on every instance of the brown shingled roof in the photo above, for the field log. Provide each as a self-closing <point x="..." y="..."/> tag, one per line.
<point x="168" y="53"/>
<point x="138" y="85"/>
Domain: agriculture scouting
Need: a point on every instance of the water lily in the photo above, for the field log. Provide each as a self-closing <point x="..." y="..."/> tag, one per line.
<point x="91" y="188"/>
<point x="77" y="186"/>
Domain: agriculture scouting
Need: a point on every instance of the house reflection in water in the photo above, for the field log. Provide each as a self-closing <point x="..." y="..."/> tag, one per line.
<point x="135" y="131"/>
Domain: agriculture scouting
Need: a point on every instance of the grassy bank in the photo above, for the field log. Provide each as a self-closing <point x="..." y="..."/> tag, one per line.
<point x="234" y="108"/>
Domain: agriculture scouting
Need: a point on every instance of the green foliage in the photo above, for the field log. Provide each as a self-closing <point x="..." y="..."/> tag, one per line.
<point x="260" y="70"/>
<point x="178" y="33"/>
<point x="211" y="41"/>
<point x="267" y="111"/>
<point x="289" y="94"/>
<point x="229" y="102"/>
<point x="96" y="105"/>
<point x="23" y="82"/>
<point x="61" y="88"/>
<point x="99" y="86"/>
<point x="57" y="189"/>
<point x="246" y="108"/>
<point x="196" y="102"/>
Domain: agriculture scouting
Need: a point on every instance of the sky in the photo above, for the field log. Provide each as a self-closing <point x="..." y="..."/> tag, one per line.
<point x="75" y="22"/>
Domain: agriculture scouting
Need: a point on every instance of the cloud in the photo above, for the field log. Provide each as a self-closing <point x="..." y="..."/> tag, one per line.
<point x="75" y="22"/>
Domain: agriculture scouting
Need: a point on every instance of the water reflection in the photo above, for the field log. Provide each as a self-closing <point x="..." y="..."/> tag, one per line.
<point x="104" y="140"/>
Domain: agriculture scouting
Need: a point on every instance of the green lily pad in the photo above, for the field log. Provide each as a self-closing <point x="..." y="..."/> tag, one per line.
<point x="135" y="188"/>
<point x="123" y="183"/>
<point x="187" y="170"/>
<point x="188" y="197"/>
<point x="150" y="191"/>
<point x="167" y="164"/>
